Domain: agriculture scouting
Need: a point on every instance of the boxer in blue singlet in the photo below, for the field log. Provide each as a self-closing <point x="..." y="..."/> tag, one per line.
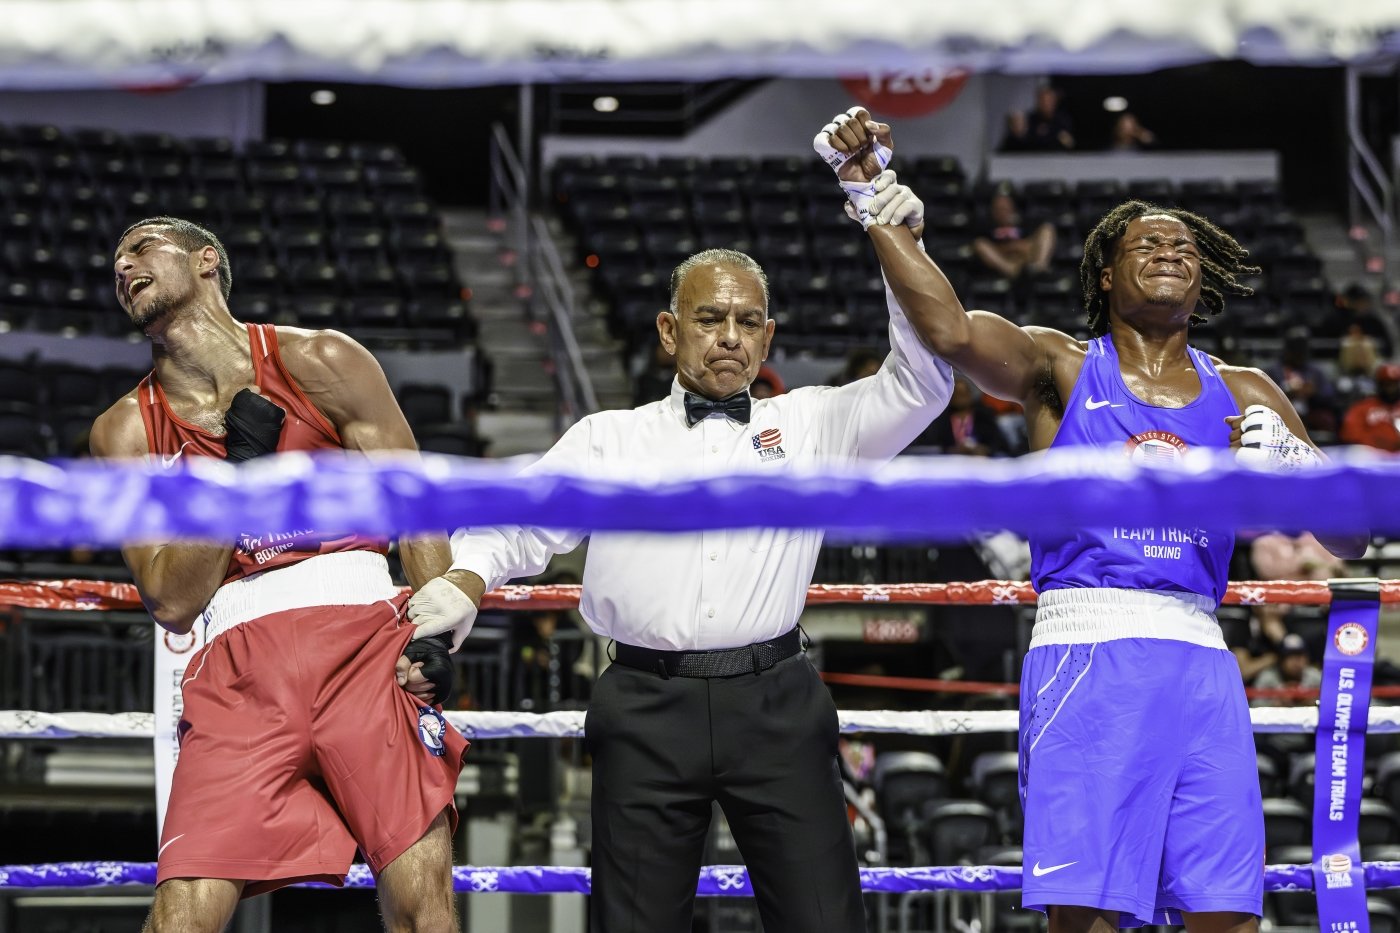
<point x="1137" y="758"/>
<point x="1138" y="771"/>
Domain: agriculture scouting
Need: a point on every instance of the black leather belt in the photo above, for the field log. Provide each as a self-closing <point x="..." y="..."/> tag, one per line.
<point x="722" y="662"/>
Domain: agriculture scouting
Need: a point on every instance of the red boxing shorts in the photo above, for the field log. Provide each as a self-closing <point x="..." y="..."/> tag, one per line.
<point x="297" y="745"/>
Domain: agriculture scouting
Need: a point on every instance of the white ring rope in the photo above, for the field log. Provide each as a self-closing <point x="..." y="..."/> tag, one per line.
<point x="30" y="724"/>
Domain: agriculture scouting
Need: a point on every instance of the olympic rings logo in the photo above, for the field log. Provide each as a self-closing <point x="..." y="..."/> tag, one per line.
<point x="731" y="880"/>
<point x="484" y="881"/>
<point x="107" y="872"/>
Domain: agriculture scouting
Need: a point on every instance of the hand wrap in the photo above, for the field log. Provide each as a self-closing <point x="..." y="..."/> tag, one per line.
<point x="1265" y="441"/>
<point x="829" y="153"/>
<point x="437" y="666"/>
<point x="254" y="426"/>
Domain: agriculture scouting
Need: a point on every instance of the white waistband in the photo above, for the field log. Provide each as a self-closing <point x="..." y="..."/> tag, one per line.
<point x="345" y="578"/>
<point x="1083" y="616"/>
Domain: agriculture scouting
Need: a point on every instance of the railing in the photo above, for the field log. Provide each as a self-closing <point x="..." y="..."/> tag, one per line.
<point x="540" y="268"/>
<point x="1368" y="182"/>
<point x="551" y="285"/>
<point x="509" y="194"/>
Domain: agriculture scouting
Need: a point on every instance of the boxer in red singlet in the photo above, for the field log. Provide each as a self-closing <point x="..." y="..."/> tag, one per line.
<point x="297" y="743"/>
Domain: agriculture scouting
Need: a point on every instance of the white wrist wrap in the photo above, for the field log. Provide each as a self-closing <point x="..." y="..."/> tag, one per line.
<point x="883" y="201"/>
<point x="439" y="606"/>
<point x="1265" y="441"/>
<point x="861" y="195"/>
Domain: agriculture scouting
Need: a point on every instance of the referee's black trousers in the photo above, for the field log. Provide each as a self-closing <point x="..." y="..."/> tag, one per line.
<point x="764" y="746"/>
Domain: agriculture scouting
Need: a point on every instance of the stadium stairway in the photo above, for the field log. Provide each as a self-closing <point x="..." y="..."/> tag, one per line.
<point x="520" y="408"/>
<point x="602" y="352"/>
<point x="518" y="416"/>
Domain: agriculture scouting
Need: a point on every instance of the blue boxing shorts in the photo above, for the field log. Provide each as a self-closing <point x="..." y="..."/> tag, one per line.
<point x="1138" y="771"/>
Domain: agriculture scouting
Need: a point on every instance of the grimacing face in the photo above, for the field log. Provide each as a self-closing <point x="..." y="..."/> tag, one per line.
<point x="1156" y="265"/>
<point x="720" y="333"/>
<point x="155" y="275"/>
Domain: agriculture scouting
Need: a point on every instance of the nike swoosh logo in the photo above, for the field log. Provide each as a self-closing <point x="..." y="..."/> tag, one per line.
<point x="1092" y="405"/>
<point x="169" y="461"/>
<point x="168" y="844"/>
<point x="1035" y="869"/>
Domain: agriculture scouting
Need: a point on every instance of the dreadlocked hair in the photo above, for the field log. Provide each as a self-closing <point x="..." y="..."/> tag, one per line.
<point x="1222" y="260"/>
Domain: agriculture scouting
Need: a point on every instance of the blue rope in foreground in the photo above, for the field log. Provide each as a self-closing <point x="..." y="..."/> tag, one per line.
<point x="62" y="503"/>
<point x="715" y="880"/>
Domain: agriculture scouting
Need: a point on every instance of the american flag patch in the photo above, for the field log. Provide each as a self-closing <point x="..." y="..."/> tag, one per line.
<point x="765" y="439"/>
<point x="1159" y="453"/>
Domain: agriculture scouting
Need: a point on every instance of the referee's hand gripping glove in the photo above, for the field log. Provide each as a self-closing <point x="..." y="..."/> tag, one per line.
<point x="892" y="204"/>
<point x="440" y="606"/>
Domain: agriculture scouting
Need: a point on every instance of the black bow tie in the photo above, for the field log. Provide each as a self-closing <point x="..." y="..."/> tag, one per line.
<point x="697" y="408"/>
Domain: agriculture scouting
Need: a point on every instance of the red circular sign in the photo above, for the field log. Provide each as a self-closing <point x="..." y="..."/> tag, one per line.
<point x="909" y="93"/>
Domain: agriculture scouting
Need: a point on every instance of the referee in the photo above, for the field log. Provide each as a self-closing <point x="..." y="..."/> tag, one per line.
<point x="710" y="697"/>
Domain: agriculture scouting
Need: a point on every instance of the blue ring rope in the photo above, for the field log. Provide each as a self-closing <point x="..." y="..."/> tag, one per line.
<point x="715" y="880"/>
<point x="63" y="503"/>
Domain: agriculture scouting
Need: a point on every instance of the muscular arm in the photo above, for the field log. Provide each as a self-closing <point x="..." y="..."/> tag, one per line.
<point x="345" y="382"/>
<point x="1253" y="387"/>
<point x="1001" y="358"/>
<point x="176" y="579"/>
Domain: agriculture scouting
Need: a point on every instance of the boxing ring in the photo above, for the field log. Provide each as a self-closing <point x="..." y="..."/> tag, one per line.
<point x="53" y="504"/>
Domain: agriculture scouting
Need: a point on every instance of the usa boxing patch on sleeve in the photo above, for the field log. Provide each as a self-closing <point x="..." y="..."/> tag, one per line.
<point x="431" y="728"/>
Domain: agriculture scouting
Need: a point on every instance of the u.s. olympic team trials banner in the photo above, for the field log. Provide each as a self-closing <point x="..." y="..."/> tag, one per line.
<point x="1341" y="743"/>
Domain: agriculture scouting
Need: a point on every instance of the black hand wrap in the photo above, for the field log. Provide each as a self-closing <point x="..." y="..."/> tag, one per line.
<point x="437" y="663"/>
<point x="254" y="426"/>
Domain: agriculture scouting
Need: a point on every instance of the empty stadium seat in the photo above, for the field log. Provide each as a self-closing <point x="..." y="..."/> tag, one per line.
<point x="904" y="782"/>
<point x="957" y="829"/>
<point x="1286" y="823"/>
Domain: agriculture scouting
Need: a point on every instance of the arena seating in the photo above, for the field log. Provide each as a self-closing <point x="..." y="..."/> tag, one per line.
<point x="318" y="233"/>
<point x="634" y="220"/>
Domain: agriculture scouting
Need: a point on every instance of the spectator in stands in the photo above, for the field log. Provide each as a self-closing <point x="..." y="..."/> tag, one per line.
<point x="767" y="383"/>
<point x="1307" y="385"/>
<point x="1374" y="421"/>
<point x="1131" y="136"/>
<point x="547" y="662"/>
<point x="1279" y="556"/>
<point x="1354" y="315"/>
<point x="1006" y="247"/>
<point x="968" y="427"/>
<point x="1017" y="137"/>
<point x="1045" y="128"/>
<point x="654" y="379"/>
<point x="1293" y="669"/>
<point x="860" y="362"/>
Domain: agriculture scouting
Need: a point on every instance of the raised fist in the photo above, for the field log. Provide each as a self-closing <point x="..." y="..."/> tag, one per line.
<point x="855" y="146"/>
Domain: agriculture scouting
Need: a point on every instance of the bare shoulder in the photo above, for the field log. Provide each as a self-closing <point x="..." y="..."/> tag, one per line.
<point x="317" y="354"/>
<point x="1250" y="385"/>
<point x="1056" y="342"/>
<point x="119" y="431"/>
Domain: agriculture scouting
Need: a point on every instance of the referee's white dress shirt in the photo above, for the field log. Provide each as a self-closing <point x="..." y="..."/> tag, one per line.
<point x="715" y="589"/>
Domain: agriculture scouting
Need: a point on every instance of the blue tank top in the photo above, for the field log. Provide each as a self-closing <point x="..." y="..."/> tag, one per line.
<point x="1101" y="412"/>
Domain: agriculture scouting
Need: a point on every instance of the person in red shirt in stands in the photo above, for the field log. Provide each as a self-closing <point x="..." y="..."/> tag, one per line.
<point x="1374" y="421"/>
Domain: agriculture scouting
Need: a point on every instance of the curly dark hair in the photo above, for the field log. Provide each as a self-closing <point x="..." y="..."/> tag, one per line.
<point x="1222" y="260"/>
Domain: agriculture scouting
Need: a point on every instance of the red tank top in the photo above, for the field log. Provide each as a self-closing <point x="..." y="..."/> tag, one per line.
<point x="305" y="429"/>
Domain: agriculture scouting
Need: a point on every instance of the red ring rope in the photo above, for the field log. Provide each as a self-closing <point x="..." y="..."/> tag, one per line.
<point x="104" y="594"/>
